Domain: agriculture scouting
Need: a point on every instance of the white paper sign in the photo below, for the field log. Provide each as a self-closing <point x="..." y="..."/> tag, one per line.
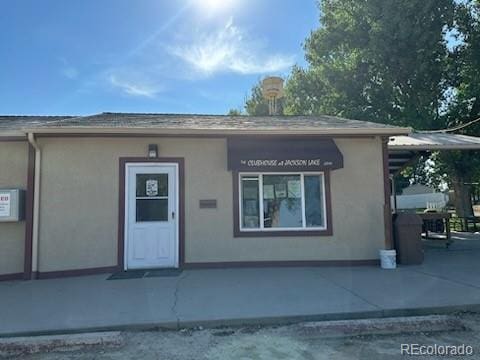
<point x="268" y="192"/>
<point x="151" y="187"/>
<point x="294" y="189"/>
<point x="4" y="205"/>
<point x="281" y="190"/>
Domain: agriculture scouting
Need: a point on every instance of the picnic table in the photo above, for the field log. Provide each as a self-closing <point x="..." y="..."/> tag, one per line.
<point x="430" y="217"/>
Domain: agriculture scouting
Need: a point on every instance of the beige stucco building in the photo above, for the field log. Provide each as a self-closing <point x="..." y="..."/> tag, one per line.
<point x="115" y="192"/>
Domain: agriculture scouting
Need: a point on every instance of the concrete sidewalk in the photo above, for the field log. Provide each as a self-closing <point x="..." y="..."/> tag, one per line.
<point x="448" y="280"/>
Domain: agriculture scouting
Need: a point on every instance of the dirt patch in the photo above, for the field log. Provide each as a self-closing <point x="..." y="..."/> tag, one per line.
<point x="287" y="342"/>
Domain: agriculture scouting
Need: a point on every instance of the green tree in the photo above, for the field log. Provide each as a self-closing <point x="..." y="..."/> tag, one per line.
<point x="381" y="60"/>
<point x="464" y="104"/>
<point x="234" y="112"/>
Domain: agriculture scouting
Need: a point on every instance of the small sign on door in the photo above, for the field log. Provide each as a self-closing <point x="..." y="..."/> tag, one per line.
<point x="151" y="187"/>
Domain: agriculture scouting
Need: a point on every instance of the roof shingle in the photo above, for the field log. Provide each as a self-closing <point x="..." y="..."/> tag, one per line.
<point x="109" y="120"/>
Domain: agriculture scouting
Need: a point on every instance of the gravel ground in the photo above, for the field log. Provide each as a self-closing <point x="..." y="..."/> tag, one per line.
<point x="273" y="342"/>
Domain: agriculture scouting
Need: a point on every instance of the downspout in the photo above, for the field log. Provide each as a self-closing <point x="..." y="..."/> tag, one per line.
<point x="36" y="203"/>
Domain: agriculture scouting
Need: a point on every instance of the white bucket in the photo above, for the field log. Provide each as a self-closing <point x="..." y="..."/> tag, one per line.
<point x="388" y="259"/>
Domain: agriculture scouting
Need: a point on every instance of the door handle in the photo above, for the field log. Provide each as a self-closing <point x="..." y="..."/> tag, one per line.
<point x="173" y="214"/>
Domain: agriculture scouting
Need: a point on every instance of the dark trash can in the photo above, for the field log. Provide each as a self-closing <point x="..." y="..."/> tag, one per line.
<point x="408" y="238"/>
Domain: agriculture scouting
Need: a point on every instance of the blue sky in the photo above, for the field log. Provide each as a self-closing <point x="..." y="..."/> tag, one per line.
<point x="185" y="56"/>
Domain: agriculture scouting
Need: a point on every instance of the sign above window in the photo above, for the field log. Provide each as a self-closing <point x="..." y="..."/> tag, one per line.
<point x="260" y="154"/>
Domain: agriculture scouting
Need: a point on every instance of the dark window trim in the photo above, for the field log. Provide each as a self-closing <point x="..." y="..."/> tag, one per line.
<point x="181" y="204"/>
<point x="236" y="215"/>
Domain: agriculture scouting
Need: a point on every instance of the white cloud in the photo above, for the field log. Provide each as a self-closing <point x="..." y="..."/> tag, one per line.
<point x="67" y="70"/>
<point x="134" y="88"/>
<point x="229" y="50"/>
<point x="70" y="72"/>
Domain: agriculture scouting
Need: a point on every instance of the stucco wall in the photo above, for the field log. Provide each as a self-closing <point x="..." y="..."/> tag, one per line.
<point x="79" y="204"/>
<point x="13" y="174"/>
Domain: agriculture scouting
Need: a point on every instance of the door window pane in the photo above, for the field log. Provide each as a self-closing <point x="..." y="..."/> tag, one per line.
<point x="314" y="211"/>
<point x="152" y="185"/>
<point x="152" y="210"/>
<point x="282" y="202"/>
<point x="250" y="203"/>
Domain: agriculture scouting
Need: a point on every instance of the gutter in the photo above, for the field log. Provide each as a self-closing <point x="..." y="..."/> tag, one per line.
<point x="36" y="202"/>
<point x="11" y="134"/>
<point x="434" y="147"/>
<point x="219" y="131"/>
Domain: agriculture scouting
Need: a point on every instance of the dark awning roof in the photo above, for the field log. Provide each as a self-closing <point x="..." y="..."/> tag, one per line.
<point x="283" y="155"/>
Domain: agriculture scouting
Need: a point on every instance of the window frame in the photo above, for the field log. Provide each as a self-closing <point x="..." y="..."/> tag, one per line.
<point x="240" y="231"/>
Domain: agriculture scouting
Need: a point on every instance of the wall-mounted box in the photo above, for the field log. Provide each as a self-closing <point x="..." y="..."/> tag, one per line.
<point x="12" y="205"/>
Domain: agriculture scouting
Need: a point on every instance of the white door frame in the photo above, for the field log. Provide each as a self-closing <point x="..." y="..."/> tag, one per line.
<point x="128" y="165"/>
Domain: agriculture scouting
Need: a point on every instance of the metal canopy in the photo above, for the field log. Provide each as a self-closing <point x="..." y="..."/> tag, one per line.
<point x="434" y="141"/>
<point x="403" y="150"/>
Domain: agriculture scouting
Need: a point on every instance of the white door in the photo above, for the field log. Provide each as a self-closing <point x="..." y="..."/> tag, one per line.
<point x="151" y="220"/>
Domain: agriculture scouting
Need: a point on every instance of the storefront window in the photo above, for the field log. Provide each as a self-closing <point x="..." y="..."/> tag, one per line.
<point x="282" y="201"/>
<point x="288" y="201"/>
<point x="314" y="211"/>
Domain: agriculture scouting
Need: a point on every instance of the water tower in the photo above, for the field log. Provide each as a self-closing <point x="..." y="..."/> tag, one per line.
<point x="272" y="90"/>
